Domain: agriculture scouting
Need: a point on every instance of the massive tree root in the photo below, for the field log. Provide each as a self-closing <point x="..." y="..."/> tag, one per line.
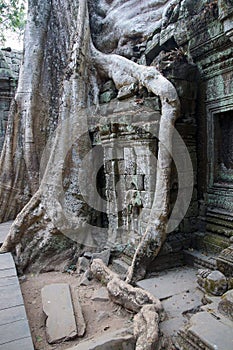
<point x="34" y="227"/>
<point x="148" y="309"/>
<point x="121" y="292"/>
<point x="75" y="96"/>
<point x="146" y="328"/>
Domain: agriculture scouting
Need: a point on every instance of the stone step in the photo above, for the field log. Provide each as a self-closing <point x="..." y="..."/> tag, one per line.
<point x="225" y="261"/>
<point x="177" y="289"/>
<point x="120" y="339"/>
<point x="119" y="266"/>
<point x="207" y="332"/>
<point x="199" y="260"/>
<point x="57" y="305"/>
<point x="100" y="294"/>
<point x="171" y="282"/>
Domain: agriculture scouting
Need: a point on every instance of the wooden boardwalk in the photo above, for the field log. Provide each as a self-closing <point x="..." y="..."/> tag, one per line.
<point x="14" y="329"/>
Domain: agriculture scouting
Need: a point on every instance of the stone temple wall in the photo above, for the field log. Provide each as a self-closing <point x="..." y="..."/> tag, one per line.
<point x="205" y="33"/>
<point x="193" y="49"/>
<point x="9" y="72"/>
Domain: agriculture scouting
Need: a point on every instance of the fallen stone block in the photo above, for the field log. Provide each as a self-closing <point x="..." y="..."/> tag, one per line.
<point x="83" y="264"/>
<point x="84" y="281"/>
<point x="212" y="282"/>
<point x="177" y="281"/>
<point x="81" y="324"/>
<point x="100" y="295"/>
<point x="225" y="261"/>
<point x="121" y="339"/>
<point x="225" y="306"/>
<point x="120" y="267"/>
<point x="107" y="96"/>
<point x="108" y="86"/>
<point x="57" y="305"/>
<point x="86" y="278"/>
<point x="104" y="256"/>
<point x="127" y="91"/>
<point x="205" y="331"/>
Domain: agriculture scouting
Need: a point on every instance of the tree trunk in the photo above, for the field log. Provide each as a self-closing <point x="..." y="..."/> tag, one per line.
<point x="52" y="92"/>
<point x="57" y="85"/>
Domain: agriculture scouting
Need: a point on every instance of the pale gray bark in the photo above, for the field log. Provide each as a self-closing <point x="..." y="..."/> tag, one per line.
<point x="146" y="328"/>
<point x="34" y="219"/>
<point x="31" y="105"/>
<point x="148" y="309"/>
<point x="34" y="111"/>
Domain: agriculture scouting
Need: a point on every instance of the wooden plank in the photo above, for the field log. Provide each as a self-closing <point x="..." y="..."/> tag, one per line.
<point x="12" y="314"/>
<point x="8" y="273"/>
<point x="21" y="344"/>
<point x="6" y="261"/>
<point x="7" y="281"/>
<point x="14" y="331"/>
<point x="10" y="296"/>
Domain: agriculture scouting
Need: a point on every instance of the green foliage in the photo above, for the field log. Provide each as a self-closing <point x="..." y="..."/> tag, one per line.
<point x="12" y="17"/>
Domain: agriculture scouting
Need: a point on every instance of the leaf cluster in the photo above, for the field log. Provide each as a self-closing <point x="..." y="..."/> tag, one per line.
<point x="12" y="17"/>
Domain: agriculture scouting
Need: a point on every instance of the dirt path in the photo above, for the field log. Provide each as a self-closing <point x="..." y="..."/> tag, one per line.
<point x="100" y="316"/>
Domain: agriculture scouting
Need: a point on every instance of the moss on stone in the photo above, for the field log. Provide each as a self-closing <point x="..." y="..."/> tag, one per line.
<point x="212" y="241"/>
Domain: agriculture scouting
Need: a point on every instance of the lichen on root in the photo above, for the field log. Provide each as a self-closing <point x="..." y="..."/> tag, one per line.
<point x="149" y="310"/>
<point x="146" y="328"/>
